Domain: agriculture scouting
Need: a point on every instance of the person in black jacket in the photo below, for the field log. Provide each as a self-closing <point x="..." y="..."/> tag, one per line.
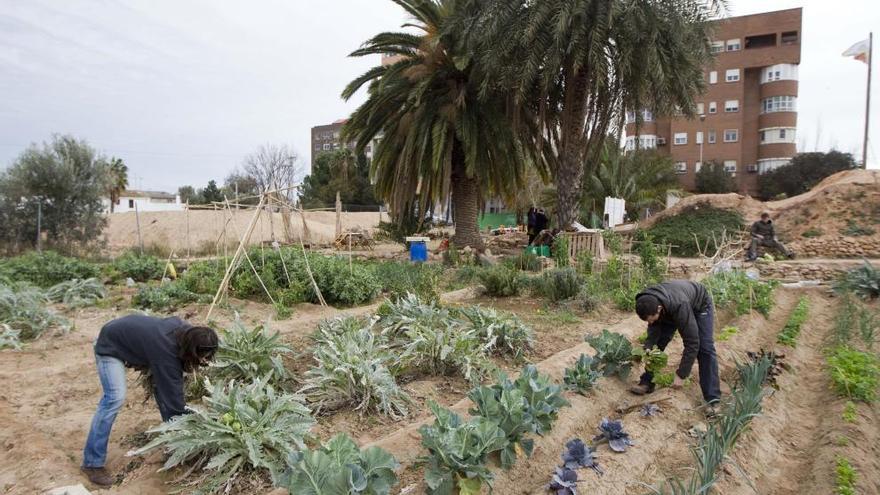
<point x="166" y="348"/>
<point x="685" y="306"/>
<point x="764" y="234"/>
<point x="531" y="221"/>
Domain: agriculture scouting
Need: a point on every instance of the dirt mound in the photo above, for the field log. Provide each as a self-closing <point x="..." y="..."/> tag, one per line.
<point x="838" y="218"/>
<point x="168" y="229"/>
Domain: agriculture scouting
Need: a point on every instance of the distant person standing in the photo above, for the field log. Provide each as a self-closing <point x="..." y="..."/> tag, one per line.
<point x="531" y="222"/>
<point x="763" y="234"/>
<point x="541" y="221"/>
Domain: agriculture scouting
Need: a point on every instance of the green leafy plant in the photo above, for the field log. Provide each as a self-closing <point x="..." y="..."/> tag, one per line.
<point x="398" y="279"/>
<point x="737" y="291"/>
<point x="811" y="233"/>
<point x="247" y="354"/>
<point x="613" y="353"/>
<point x="77" y="293"/>
<point x="501" y="281"/>
<point x="339" y="467"/>
<point x="850" y="413"/>
<point x="507" y="408"/>
<point x="140" y="268"/>
<point x="203" y="277"/>
<point x="165" y="297"/>
<point x="853" y="229"/>
<point x="457" y="452"/>
<point x="796" y="319"/>
<point x="697" y="223"/>
<point x="559" y="284"/>
<point x="46" y="269"/>
<point x="526" y="261"/>
<point x="655" y="362"/>
<point x="864" y="281"/>
<point x="582" y="376"/>
<point x="501" y="333"/>
<point x="855" y="374"/>
<point x="584" y="262"/>
<point x="727" y="333"/>
<point x="560" y="252"/>
<point x="9" y="337"/>
<point x="23" y="310"/>
<point x="352" y="369"/>
<point x="243" y="427"/>
<point x="444" y="349"/>
<point x="868" y="324"/>
<point x="649" y="256"/>
<point x="846" y="477"/>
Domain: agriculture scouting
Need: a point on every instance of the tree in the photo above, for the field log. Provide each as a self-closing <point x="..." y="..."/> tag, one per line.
<point x="117" y="180"/>
<point x="272" y="167"/>
<point x="713" y="179"/>
<point x="803" y="173"/>
<point x="341" y="171"/>
<point x="440" y="134"/>
<point x="577" y="63"/>
<point x="188" y="194"/>
<point x="211" y="193"/>
<point x="641" y="178"/>
<point x="241" y="186"/>
<point x="66" y="180"/>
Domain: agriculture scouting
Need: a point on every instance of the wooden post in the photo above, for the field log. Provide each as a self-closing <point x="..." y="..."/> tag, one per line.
<point x="137" y="219"/>
<point x="188" y="248"/>
<point x="338" y="215"/>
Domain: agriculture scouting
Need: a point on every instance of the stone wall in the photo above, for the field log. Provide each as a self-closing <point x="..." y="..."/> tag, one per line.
<point x="838" y="247"/>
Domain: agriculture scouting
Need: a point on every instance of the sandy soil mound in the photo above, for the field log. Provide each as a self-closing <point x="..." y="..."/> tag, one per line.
<point x="837" y="218"/>
<point x="168" y="229"/>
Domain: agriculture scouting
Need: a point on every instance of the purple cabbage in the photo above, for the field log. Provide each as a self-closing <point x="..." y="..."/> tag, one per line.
<point x="612" y="432"/>
<point x="577" y="454"/>
<point x="564" y="481"/>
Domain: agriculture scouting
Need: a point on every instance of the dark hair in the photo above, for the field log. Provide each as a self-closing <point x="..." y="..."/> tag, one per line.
<point x="646" y="305"/>
<point x="765" y="215"/>
<point x="196" y="344"/>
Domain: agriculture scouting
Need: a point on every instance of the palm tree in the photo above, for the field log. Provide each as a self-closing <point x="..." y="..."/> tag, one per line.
<point x="117" y="180"/>
<point x="580" y="63"/>
<point x="440" y="134"/>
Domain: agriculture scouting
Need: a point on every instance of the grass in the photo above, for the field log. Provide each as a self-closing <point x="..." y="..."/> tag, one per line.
<point x="561" y="316"/>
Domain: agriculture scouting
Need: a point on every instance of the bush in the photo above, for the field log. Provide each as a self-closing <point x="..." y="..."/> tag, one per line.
<point x="559" y="284"/>
<point x="46" y="269"/>
<point x="803" y="173"/>
<point x="398" y="279"/>
<point x="77" y="293"/>
<point x="588" y="299"/>
<point x="501" y="281"/>
<point x="855" y="374"/>
<point x="736" y="290"/>
<point x="248" y="354"/>
<point x="203" y="277"/>
<point x="244" y="426"/>
<point x="165" y="297"/>
<point x="864" y="281"/>
<point x="501" y="334"/>
<point x="702" y="220"/>
<point x="713" y="179"/>
<point x="139" y="268"/>
<point x="339" y="467"/>
<point x="560" y="252"/>
<point x="526" y="261"/>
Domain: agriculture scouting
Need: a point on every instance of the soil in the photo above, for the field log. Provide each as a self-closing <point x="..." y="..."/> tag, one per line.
<point x="49" y="391"/>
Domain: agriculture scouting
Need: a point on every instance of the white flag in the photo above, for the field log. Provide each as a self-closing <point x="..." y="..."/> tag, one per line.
<point x="859" y="51"/>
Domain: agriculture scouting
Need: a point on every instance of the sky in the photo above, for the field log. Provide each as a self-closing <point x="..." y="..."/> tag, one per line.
<point x="183" y="90"/>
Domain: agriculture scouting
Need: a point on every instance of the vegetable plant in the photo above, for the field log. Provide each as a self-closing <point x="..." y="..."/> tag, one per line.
<point x="46" y="269"/>
<point x="23" y="310"/>
<point x="165" y="297"/>
<point x="611" y="431"/>
<point x="9" y="337"/>
<point x="577" y="454"/>
<point x="77" y="293"/>
<point x="509" y="410"/>
<point x="727" y="333"/>
<point x="855" y="374"/>
<point x="139" y="268"/>
<point x="564" y="481"/>
<point x="559" y="284"/>
<point x="560" y="252"/>
<point x="655" y="362"/>
<point x="850" y="413"/>
<point x="243" y="427"/>
<point x="399" y="279"/>
<point x="796" y="319"/>
<point x="737" y="291"/>
<point x="501" y="281"/>
<point x="613" y="353"/>
<point x="863" y="281"/>
<point x="457" y="452"/>
<point x="501" y="333"/>
<point x="352" y="369"/>
<point x="582" y="376"/>
<point x="543" y="397"/>
<point x="246" y="354"/>
<point x="846" y="476"/>
<point x="339" y="467"/>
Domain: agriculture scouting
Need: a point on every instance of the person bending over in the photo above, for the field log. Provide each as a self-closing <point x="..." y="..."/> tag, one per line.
<point x="687" y="307"/>
<point x="164" y="347"/>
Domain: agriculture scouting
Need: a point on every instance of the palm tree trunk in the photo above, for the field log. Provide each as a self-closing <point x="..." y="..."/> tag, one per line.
<point x="465" y="203"/>
<point x="569" y="176"/>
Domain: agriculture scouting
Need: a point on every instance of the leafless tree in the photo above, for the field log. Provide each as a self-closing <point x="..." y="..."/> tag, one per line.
<point x="273" y="167"/>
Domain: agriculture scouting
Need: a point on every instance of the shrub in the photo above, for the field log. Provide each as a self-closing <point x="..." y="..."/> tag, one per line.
<point x="457" y="452"/>
<point x="588" y="299"/>
<point x="613" y="353"/>
<point x="583" y="376"/>
<point x="560" y="252"/>
<point x="23" y="311"/>
<point x="501" y="281"/>
<point x="353" y="370"/>
<point x="796" y="319"/>
<point x="203" y="277"/>
<point x="559" y="284"/>
<point x="243" y="426"/>
<point x="398" y="279"/>
<point x="584" y="262"/>
<point x="526" y="261"/>
<point x="139" y="268"/>
<point x="340" y="467"/>
<point x="9" y="337"/>
<point x="650" y="257"/>
<point x="248" y="354"/>
<point x="864" y="281"/>
<point x="501" y="334"/>
<point x="855" y="374"/>
<point x="701" y="220"/>
<point x="443" y="349"/>
<point x="737" y="291"/>
<point x="165" y="297"/>
<point x="77" y="293"/>
<point x="46" y="269"/>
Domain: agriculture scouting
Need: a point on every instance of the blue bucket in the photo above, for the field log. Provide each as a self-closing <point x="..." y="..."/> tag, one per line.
<point x="418" y="251"/>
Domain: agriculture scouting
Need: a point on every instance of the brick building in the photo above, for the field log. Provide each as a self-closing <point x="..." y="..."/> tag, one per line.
<point x="747" y="117"/>
<point x="326" y="138"/>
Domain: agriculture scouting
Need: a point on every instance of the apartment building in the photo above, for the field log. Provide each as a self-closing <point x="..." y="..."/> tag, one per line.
<point x="326" y="138"/>
<point x="747" y="117"/>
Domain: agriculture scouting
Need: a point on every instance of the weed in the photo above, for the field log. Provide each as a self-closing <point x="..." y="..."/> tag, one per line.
<point x="846" y="476"/>
<point x="850" y="413"/>
<point x="811" y="233"/>
<point x="855" y="374"/>
<point x="796" y="319"/>
<point x="853" y="229"/>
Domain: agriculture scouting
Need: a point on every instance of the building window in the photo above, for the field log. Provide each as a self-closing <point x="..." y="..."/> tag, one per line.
<point x="681" y="167"/>
<point x="713" y="77"/>
<point x="326" y="146"/>
<point x="732" y="75"/>
<point x="131" y="204"/>
<point x="681" y="138"/>
<point x="730" y="166"/>
<point x="733" y="45"/>
<point x="731" y="106"/>
<point x="767" y="164"/>
<point x="699" y="137"/>
<point x="760" y="41"/>
<point x="318" y="147"/>
<point x="779" y="72"/>
<point x="777" y="135"/>
<point x="713" y="107"/>
<point x="789" y="37"/>
<point x="778" y="104"/>
<point x="711" y="136"/>
<point x="731" y="135"/>
<point x="717" y="47"/>
<point x="700" y="109"/>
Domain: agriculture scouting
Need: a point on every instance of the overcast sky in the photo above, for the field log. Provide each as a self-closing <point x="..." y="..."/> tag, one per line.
<point x="182" y="90"/>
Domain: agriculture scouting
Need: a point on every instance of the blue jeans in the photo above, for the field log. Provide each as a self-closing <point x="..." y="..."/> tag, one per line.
<point x="111" y="372"/>
<point x="707" y="360"/>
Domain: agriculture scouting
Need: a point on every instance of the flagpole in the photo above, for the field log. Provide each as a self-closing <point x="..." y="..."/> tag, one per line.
<point x="868" y="101"/>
